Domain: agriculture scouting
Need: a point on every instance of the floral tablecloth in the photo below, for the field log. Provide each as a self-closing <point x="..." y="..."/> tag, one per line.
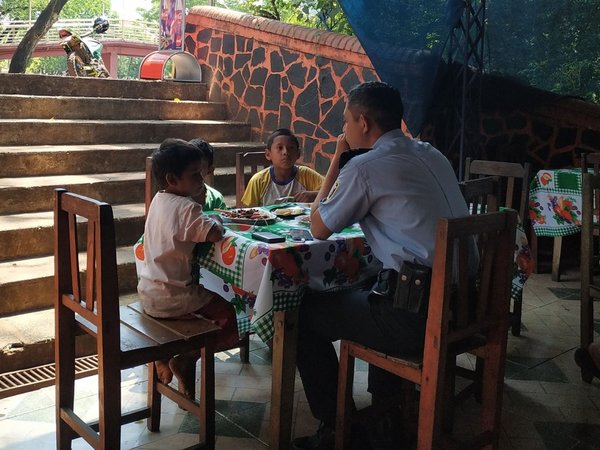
<point x="555" y="202"/>
<point x="260" y="278"/>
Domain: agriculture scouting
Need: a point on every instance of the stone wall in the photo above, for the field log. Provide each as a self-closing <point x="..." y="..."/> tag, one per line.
<point x="279" y="75"/>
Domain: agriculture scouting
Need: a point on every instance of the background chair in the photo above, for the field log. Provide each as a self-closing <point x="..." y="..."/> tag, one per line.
<point x="149" y="190"/>
<point x="512" y="192"/>
<point x="125" y="336"/>
<point x="456" y="323"/>
<point x="589" y="261"/>
<point x="254" y="161"/>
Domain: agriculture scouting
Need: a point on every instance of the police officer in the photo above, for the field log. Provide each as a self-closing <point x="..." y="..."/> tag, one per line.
<point x="396" y="191"/>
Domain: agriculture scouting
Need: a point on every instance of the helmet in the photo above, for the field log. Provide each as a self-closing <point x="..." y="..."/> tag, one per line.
<point x="100" y="24"/>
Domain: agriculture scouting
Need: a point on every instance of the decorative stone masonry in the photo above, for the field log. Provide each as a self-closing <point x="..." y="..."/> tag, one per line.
<point x="279" y="75"/>
<point x="274" y="74"/>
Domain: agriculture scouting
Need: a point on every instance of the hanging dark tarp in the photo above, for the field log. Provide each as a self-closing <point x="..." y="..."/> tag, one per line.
<point x="404" y="40"/>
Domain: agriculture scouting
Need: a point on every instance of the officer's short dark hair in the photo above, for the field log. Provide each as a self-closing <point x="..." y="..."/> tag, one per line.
<point x="378" y="101"/>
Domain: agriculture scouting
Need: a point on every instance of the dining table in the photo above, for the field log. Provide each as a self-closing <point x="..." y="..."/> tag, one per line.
<point x="555" y="208"/>
<point x="267" y="281"/>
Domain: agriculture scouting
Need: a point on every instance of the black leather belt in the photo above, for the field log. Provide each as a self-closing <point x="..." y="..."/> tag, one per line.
<point x="386" y="283"/>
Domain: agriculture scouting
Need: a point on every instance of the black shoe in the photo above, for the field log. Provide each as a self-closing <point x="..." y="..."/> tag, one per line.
<point x="584" y="360"/>
<point x="323" y="439"/>
<point x="384" y="430"/>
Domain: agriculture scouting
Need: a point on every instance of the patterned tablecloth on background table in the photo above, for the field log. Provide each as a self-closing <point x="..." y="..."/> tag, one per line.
<point x="555" y="202"/>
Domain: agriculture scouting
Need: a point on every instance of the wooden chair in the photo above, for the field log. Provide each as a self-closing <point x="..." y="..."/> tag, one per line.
<point x="455" y="324"/>
<point x="149" y="190"/>
<point x="125" y="336"/>
<point x="255" y="161"/>
<point x="513" y="193"/>
<point x="589" y="260"/>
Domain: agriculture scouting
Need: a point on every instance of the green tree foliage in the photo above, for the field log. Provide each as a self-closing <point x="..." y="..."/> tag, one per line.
<point x="74" y="9"/>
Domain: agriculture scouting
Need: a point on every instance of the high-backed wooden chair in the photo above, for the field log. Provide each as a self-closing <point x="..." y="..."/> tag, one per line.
<point x="456" y="323"/>
<point x="589" y="261"/>
<point x="125" y="336"/>
<point x="149" y="190"/>
<point x="254" y="161"/>
<point x="513" y="192"/>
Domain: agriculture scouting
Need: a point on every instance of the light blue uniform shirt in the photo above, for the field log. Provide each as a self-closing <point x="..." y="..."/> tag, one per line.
<point x="397" y="192"/>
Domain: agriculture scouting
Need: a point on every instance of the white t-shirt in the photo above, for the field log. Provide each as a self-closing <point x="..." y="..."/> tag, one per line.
<point x="173" y="227"/>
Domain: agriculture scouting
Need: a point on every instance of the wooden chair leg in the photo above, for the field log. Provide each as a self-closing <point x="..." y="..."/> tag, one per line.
<point x="516" y="316"/>
<point x="65" y="376"/>
<point x="556" y="258"/>
<point x="431" y="405"/>
<point x="245" y="348"/>
<point x="109" y="396"/>
<point x="492" y="388"/>
<point x="344" y="398"/>
<point x="207" y="395"/>
<point x="154" y="399"/>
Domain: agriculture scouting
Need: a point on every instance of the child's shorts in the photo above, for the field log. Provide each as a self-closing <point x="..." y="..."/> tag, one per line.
<point x="222" y="313"/>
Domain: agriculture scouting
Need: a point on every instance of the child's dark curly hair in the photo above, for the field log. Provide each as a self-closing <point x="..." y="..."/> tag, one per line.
<point x="173" y="156"/>
<point x="206" y="148"/>
<point x="282" y="132"/>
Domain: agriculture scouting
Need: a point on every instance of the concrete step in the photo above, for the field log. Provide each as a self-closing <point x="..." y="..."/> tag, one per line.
<point x="26" y="161"/>
<point x="31" y="235"/>
<point x="28" y="284"/>
<point x="59" y="107"/>
<point x="35" y="194"/>
<point x="30" y="84"/>
<point x="65" y="131"/>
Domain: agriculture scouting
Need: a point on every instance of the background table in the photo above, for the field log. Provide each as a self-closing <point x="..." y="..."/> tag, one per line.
<point x="555" y="208"/>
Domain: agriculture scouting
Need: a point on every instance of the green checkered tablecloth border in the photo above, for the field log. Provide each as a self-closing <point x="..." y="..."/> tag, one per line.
<point x="516" y="292"/>
<point x="234" y="275"/>
<point x="564" y="230"/>
<point x="282" y="301"/>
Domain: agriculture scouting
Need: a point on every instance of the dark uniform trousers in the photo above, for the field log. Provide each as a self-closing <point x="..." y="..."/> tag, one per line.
<point x="359" y="316"/>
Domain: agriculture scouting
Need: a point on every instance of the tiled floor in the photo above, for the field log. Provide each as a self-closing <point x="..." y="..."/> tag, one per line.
<point x="546" y="405"/>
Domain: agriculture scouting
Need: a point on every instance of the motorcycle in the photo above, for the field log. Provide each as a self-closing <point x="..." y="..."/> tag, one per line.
<point x="84" y="53"/>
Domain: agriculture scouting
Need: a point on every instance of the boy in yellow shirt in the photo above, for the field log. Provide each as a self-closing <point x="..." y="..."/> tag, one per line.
<point x="283" y="178"/>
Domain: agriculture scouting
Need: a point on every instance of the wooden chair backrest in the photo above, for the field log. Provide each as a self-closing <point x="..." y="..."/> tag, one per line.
<point x="508" y="174"/>
<point x="253" y="160"/>
<point x="481" y="194"/>
<point x="590" y="216"/>
<point x="96" y="301"/>
<point x="150" y="186"/>
<point x="462" y="307"/>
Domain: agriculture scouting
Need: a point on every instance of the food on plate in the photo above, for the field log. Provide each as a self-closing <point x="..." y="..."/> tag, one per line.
<point x="246" y="214"/>
<point x="303" y="219"/>
<point x="292" y="211"/>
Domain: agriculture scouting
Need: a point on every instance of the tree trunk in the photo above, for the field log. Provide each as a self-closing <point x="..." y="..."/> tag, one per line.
<point x="49" y="15"/>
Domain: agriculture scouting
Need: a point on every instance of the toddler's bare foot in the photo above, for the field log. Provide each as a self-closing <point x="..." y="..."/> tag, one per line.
<point x="184" y="369"/>
<point x="163" y="372"/>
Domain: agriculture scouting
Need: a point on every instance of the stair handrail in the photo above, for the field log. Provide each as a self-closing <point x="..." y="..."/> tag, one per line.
<point x="12" y="32"/>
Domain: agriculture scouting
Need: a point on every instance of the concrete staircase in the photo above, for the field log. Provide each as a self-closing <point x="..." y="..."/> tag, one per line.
<point x="90" y="136"/>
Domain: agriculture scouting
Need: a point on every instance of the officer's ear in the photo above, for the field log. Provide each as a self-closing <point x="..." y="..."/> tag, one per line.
<point x="365" y="124"/>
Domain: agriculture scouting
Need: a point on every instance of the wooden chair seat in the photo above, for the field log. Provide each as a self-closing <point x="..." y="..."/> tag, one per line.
<point x="87" y="301"/>
<point x="456" y="323"/>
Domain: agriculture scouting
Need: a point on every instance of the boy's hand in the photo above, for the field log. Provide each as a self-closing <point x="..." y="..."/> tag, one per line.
<point x="305" y="197"/>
